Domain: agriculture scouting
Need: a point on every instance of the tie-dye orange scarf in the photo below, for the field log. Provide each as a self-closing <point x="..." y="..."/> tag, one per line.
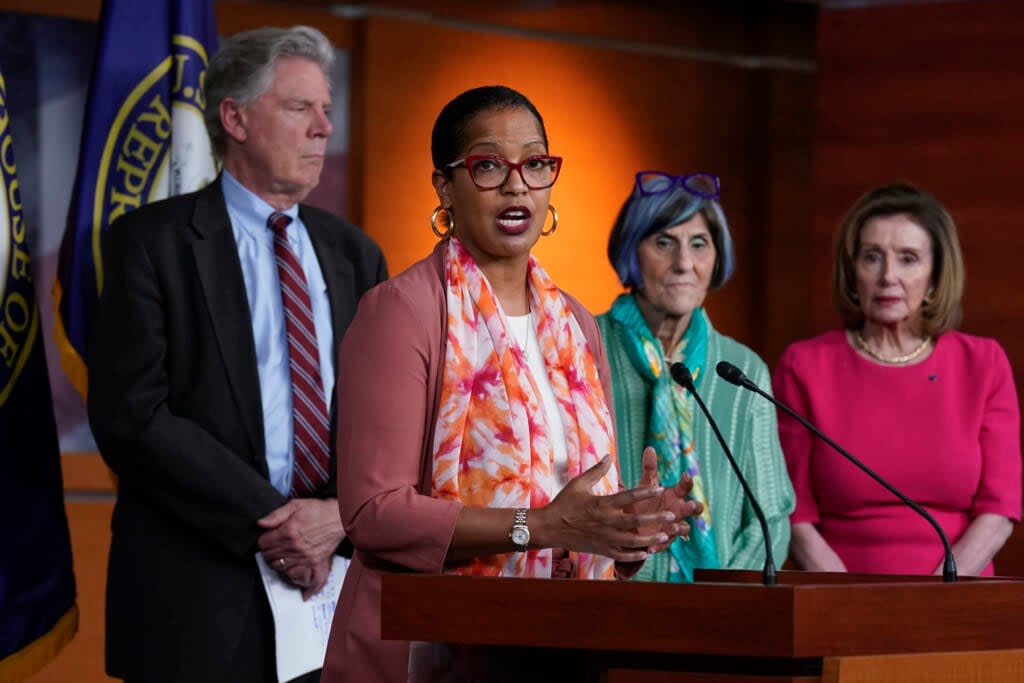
<point x="491" y="442"/>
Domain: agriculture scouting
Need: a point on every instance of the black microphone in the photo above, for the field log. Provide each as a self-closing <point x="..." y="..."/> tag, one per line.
<point x="681" y="374"/>
<point x="732" y="374"/>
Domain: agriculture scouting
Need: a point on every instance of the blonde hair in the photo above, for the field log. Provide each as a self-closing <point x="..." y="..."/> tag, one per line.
<point x="941" y="310"/>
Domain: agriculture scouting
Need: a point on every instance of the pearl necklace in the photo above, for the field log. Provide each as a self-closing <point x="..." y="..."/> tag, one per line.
<point x="862" y="343"/>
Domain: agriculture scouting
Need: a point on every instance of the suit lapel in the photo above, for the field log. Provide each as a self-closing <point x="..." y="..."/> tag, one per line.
<point x="220" y="273"/>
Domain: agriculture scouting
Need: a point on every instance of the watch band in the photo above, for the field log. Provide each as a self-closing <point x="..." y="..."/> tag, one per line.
<point x="519" y="534"/>
<point x="520" y="519"/>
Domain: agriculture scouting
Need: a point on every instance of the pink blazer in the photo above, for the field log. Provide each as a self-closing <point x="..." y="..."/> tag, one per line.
<point x="389" y="370"/>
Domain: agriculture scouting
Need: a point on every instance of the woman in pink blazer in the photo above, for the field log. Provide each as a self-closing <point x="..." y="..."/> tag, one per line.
<point x="475" y="433"/>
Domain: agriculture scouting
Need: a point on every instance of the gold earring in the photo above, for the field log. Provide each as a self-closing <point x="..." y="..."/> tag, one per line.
<point x="554" y="221"/>
<point x="927" y="301"/>
<point x="450" y="221"/>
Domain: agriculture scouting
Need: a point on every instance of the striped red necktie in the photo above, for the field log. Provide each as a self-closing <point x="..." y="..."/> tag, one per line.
<point x="309" y="411"/>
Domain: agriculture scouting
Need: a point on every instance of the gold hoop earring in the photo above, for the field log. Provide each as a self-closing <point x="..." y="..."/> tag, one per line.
<point x="927" y="299"/>
<point x="554" y="221"/>
<point x="450" y="221"/>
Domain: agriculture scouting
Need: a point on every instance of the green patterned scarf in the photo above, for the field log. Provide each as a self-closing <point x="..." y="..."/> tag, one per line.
<point x="670" y="431"/>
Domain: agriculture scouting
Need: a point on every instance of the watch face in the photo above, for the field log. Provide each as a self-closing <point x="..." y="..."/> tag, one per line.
<point x="520" y="536"/>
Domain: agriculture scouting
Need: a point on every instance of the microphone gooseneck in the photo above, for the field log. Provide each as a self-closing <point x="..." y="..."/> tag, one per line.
<point x="681" y="374"/>
<point x="732" y="374"/>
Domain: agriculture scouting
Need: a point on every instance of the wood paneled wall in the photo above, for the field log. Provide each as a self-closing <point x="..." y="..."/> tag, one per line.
<point x="930" y="93"/>
<point x="922" y="91"/>
<point x="610" y="112"/>
<point x="623" y="87"/>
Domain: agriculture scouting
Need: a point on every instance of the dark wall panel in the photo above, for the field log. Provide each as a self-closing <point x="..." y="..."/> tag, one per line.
<point x="930" y="93"/>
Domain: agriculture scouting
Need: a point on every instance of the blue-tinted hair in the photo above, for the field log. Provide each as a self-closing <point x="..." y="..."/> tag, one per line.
<point x="642" y="215"/>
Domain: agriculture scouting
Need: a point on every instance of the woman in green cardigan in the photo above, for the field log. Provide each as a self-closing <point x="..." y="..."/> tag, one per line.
<point x="670" y="246"/>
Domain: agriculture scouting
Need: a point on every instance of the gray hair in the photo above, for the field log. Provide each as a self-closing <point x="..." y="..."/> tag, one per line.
<point x="243" y="67"/>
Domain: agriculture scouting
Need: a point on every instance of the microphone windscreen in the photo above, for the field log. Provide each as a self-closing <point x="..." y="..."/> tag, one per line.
<point x="730" y="373"/>
<point x="681" y="374"/>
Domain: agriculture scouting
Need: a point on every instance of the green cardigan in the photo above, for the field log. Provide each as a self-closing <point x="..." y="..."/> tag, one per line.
<point x="748" y="424"/>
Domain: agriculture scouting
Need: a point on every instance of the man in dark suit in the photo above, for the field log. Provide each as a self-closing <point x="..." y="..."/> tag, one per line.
<point x="212" y="377"/>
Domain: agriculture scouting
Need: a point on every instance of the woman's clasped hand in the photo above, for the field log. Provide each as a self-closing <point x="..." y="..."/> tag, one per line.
<point x="626" y="526"/>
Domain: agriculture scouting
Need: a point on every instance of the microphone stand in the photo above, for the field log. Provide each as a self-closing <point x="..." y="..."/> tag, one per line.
<point x="681" y="374"/>
<point x="734" y="375"/>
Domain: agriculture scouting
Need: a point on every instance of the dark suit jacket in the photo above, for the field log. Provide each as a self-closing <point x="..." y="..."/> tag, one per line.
<point x="174" y="404"/>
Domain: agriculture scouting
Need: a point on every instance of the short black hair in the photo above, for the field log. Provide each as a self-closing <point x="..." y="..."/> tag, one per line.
<point x="449" y="135"/>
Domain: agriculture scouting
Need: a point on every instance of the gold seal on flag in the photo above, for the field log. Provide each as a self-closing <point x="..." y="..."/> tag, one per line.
<point x="19" y="316"/>
<point x="157" y="145"/>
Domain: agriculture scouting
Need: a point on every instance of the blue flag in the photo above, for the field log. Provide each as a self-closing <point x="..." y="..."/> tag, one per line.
<point x="143" y="139"/>
<point x="38" y="615"/>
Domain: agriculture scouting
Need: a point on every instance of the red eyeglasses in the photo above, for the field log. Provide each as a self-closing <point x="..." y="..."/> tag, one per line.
<point x="491" y="171"/>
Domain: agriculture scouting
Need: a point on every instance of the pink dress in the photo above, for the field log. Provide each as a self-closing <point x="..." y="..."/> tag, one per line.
<point x="945" y="431"/>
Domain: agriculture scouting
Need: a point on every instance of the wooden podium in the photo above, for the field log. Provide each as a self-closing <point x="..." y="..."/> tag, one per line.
<point x="726" y="627"/>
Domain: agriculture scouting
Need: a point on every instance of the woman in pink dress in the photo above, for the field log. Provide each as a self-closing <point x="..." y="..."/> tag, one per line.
<point x="931" y="409"/>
